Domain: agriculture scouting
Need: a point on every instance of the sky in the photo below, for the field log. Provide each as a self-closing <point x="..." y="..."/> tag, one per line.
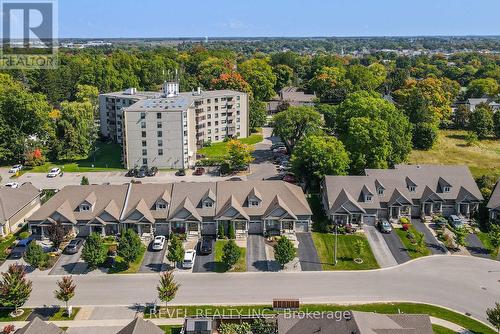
<point x="276" y="18"/>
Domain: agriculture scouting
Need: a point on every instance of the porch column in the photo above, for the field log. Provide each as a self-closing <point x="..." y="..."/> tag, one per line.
<point x="432" y="207"/>
<point x="399" y="212"/>
<point x="468" y="210"/>
<point x="199" y="228"/>
<point x="169" y="229"/>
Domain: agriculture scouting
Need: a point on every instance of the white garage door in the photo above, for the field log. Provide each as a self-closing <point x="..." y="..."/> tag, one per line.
<point x="301" y="227"/>
<point x="255" y="228"/>
<point x="208" y="229"/>
<point x="369" y="219"/>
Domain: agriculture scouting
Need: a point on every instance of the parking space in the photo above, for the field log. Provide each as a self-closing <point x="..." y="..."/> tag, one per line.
<point x="204" y="263"/>
<point x="396" y="247"/>
<point x="256" y="253"/>
<point x="308" y="256"/>
<point x="476" y="247"/>
<point x="379" y="247"/>
<point x="66" y="264"/>
<point x="154" y="261"/>
<point x="430" y="240"/>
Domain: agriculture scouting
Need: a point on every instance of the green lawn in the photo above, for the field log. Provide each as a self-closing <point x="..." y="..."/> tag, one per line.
<point x="220" y="267"/>
<point x="107" y="157"/>
<point x="485" y="240"/>
<point x="442" y="330"/>
<point x="121" y="267"/>
<point x="384" y="308"/>
<point x="450" y="148"/>
<point x="408" y="245"/>
<point x="219" y="150"/>
<point x="61" y="314"/>
<point x="5" y="317"/>
<point x="324" y="243"/>
<point x="171" y="329"/>
<point x="4" y="244"/>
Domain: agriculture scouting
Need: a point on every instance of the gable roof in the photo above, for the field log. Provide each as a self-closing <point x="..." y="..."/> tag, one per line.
<point x="398" y="198"/>
<point x="255" y="193"/>
<point x="209" y="195"/>
<point x="143" y="209"/>
<point x="278" y="203"/>
<point x="112" y="209"/>
<point x="494" y="201"/>
<point x="38" y="326"/>
<point x="14" y="199"/>
<point x="189" y="207"/>
<point x="65" y="210"/>
<point x="428" y="193"/>
<point x="141" y="326"/>
<point x="344" y="197"/>
<point x="231" y="203"/>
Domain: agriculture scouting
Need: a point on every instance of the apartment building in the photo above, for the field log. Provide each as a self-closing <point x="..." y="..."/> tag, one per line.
<point x="165" y="129"/>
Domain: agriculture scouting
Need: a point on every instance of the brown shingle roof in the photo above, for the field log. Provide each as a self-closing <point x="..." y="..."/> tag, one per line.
<point x="14" y="199"/>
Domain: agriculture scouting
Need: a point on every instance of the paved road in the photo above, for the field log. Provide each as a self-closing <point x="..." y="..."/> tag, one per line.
<point x="476" y="247"/>
<point x="308" y="256"/>
<point x="467" y="284"/>
<point x="263" y="167"/>
<point x="204" y="263"/>
<point x="154" y="261"/>
<point x="430" y="240"/>
<point x="256" y="253"/>
<point x="379" y="246"/>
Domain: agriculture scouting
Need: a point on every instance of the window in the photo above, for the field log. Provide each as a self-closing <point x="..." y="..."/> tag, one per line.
<point x="208" y="204"/>
<point x="209" y="108"/>
<point x="159" y="133"/>
<point x="216" y="108"/>
<point x="412" y="188"/>
<point x="158" y="125"/>
<point x="216" y="122"/>
<point x="216" y="130"/>
<point x="143" y="133"/>
<point x="185" y="133"/>
<point x="223" y="121"/>
<point x="209" y="131"/>
<point x="158" y="115"/>
<point x="238" y="97"/>
<point x="160" y="143"/>
<point x="160" y="151"/>
<point x="209" y="123"/>
<point x="209" y="116"/>
<point x="84" y="207"/>
<point x="144" y="143"/>
<point x="208" y="100"/>
<point x="368" y="198"/>
<point x="216" y="100"/>
<point x="145" y="161"/>
<point x="161" y="206"/>
<point x="143" y="115"/>
<point x="380" y="191"/>
<point x="143" y="125"/>
<point x="253" y="204"/>
<point x="446" y="189"/>
<point x="144" y="151"/>
<point x="216" y="115"/>
<point x="216" y="137"/>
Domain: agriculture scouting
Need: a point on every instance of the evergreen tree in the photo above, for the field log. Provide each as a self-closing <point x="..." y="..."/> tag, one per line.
<point x="129" y="246"/>
<point x="84" y="181"/>
<point x="284" y="251"/>
<point x="35" y="256"/>
<point x="94" y="251"/>
<point x="231" y="233"/>
<point x="230" y="254"/>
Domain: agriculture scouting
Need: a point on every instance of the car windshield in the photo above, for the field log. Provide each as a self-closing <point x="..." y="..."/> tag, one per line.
<point x="53" y="170"/>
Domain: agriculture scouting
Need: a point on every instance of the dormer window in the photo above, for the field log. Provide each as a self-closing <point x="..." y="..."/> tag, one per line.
<point x="412" y="188"/>
<point x="380" y="191"/>
<point x="368" y="198"/>
<point x="161" y="206"/>
<point x="446" y="189"/>
<point x="253" y="204"/>
<point x="208" y="204"/>
<point x="85" y="207"/>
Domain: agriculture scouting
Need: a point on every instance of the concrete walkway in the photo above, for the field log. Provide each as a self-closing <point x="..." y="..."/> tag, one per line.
<point x="379" y="247"/>
<point x="449" y="325"/>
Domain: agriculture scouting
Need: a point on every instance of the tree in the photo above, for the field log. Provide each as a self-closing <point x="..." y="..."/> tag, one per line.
<point x="284" y="76"/>
<point x="260" y="326"/>
<point x="294" y="123"/>
<point x="359" y="248"/>
<point x="94" y="251"/>
<point x="232" y="80"/>
<point x="259" y="74"/>
<point x="257" y="114"/>
<point x="330" y="84"/>
<point x="35" y="256"/>
<point x="175" y="250"/>
<point x="284" y="251"/>
<point x="66" y="290"/>
<point x="230" y="254"/>
<point x="494" y="235"/>
<point x="84" y="181"/>
<point x="481" y="121"/>
<point x="56" y="233"/>
<point x="366" y="78"/>
<point x="424" y="135"/>
<point x="129" y="246"/>
<point x="461" y="117"/>
<point x="239" y="155"/>
<point x="15" y="288"/>
<point x="496" y="122"/>
<point x="221" y="234"/>
<point x="493" y="315"/>
<point x="167" y="289"/>
<point x="317" y="156"/>
<point x="460" y="235"/>
<point x="482" y="87"/>
<point x="231" y="233"/>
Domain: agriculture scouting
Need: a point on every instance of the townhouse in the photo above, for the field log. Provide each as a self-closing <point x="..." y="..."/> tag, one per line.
<point x="494" y="205"/>
<point x="194" y="208"/>
<point x="16" y="204"/>
<point x="413" y="191"/>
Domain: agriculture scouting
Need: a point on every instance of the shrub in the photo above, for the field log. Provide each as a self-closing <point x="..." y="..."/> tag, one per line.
<point x="406" y="227"/>
<point x="220" y="231"/>
<point x="35" y="256"/>
<point x="284" y="251"/>
<point x="23" y="235"/>
<point x="404" y="220"/>
<point x="231" y="254"/>
<point x="471" y="139"/>
<point x="231" y="233"/>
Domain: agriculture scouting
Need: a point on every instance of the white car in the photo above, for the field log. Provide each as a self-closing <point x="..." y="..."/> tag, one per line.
<point x="54" y="172"/>
<point x="158" y="243"/>
<point x="12" y="185"/>
<point x="15" y="168"/>
<point x="189" y="257"/>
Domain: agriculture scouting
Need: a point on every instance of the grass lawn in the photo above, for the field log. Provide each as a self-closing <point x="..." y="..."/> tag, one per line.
<point x="219" y="150"/>
<point x="171" y="329"/>
<point x="442" y="330"/>
<point x="485" y="240"/>
<point x="121" y="267"/>
<point x="5" y="317"/>
<point x="324" y="243"/>
<point x="61" y="314"/>
<point x="107" y="157"/>
<point x="408" y="245"/>
<point x="450" y="148"/>
<point x="220" y="267"/>
<point x="384" y="308"/>
<point x="4" y="244"/>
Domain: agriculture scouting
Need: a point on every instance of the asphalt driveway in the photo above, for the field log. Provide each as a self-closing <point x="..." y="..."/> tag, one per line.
<point x="256" y="253"/>
<point x="154" y="261"/>
<point x="204" y="263"/>
<point x="66" y="264"/>
<point x="379" y="247"/>
<point x="396" y="246"/>
<point x="476" y="247"/>
<point x="308" y="256"/>
<point x="430" y="240"/>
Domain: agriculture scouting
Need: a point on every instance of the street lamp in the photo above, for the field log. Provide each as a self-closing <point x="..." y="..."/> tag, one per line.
<point x="335" y="245"/>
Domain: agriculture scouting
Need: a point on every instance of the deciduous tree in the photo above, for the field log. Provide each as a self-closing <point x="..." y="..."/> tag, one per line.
<point x="168" y="287"/>
<point x="129" y="246"/>
<point x="259" y="74"/>
<point x="94" y="251"/>
<point x="175" y="250"/>
<point x="35" y="256"/>
<point x="284" y="251"/>
<point x="66" y="290"/>
<point x="56" y="233"/>
<point x="481" y="121"/>
<point x="15" y="288"/>
<point x="239" y="155"/>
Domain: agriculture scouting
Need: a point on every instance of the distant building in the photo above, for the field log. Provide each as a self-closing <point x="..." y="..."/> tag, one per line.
<point x="494" y="204"/>
<point x="290" y="96"/>
<point x="165" y="129"/>
<point x="473" y="103"/>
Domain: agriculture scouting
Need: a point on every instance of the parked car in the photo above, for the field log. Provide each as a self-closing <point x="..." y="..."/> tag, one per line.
<point x="158" y="243"/>
<point x="181" y="172"/>
<point x="142" y="172"/>
<point x="56" y="171"/>
<point x="189" y="257"/>
<point x="290" y="178"/>
<point x="12" y="185"/>
<point x="74" y="246"/>
<point x="235" y="178"/>
<point x="384" y="226"/>
<point x="199" y="171"/>
<point x="15" y="168"/>
<point x="206" y="245"/>
<point x="152" y="171"/>
<point x="20" y="249"/>
<point x="456" y="222"/>
<point x="132" y="172"/>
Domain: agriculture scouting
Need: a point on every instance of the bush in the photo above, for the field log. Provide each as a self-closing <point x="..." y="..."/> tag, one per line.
<point x="284" y="251"/>
<point x="220" y="231"/>
<point x="404" y="220"/>
<point x="23" y="235"/>
<point x="471" y="139"/>
<point x="230" y="254"/>
<point x="35" y="256"/>
<point x="94" y="251"/>
<point x="231" y="233"/>
<point x="406" y="227"/>
<point x="209" y="162"/>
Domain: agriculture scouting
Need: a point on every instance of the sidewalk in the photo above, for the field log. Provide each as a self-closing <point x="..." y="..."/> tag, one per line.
<point x="450" y="325"/>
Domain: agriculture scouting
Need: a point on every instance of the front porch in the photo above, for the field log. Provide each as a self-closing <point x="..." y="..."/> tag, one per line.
<point x="399" y="211"/>
<point x="467" y="209"/>
<point x="430" y="208"/>
<point x="346" y="219"/>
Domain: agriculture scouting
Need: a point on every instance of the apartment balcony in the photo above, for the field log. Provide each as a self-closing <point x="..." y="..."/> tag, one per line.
<point x="200" y="126"/>
<point x="200" y="134"/>
<point x="199" y="110"/>
<point x="200" y="118"/>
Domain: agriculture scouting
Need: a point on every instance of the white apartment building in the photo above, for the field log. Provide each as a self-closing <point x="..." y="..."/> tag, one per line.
<point x="165" y="129"/>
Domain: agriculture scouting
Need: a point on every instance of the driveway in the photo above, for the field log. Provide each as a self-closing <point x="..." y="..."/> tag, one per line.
<point x="396" y="246"/>
<point x="308" y="256"/>
<point x="262" y="166"/>
<point x="430" y="240"/>
<point x="66" y="264"/>
<point x="154" y="261"/>
<point x="204" y="263"/>
<point x="379" y="247"/>
<point x="256" y="253"/>
<point x="476" y="247"/>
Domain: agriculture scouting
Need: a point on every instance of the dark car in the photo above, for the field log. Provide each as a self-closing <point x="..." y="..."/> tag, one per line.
<point x="206" y="245"/>
<point x="152" y="171"/>
<point x="142" y="172"/>
<point x="199" y="171"/>
<point x="181" y="172"/>
<point x="74" y="246"/>
<point x="132" y="172"/>
<point x="20" y="248"/>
